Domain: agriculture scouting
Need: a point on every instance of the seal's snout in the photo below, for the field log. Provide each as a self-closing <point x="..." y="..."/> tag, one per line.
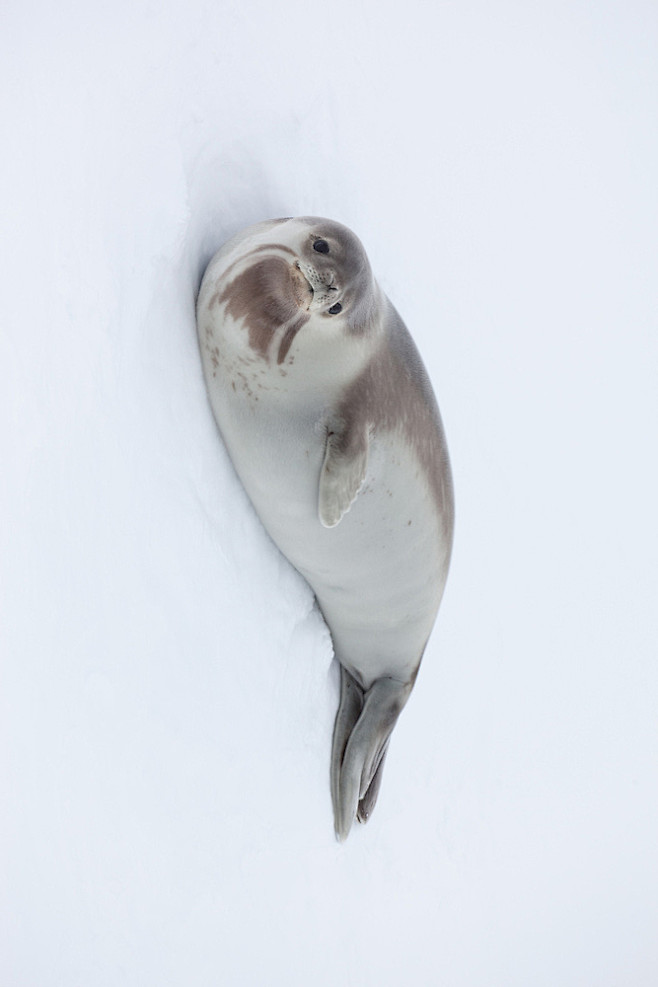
<point x="322" y="284"/>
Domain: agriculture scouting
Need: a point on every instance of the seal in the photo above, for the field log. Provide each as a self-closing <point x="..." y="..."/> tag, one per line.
<point x="330" y="420"/>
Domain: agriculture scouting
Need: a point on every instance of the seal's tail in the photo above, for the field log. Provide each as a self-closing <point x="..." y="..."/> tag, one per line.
<point x="364" y="723"/>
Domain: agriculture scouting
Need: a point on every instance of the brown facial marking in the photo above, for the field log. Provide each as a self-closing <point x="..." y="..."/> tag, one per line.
<point x="216" y="298"/>
<point x="240" y="260"/>
<point x="266" y="297"/>
<point x="290" y="334"/>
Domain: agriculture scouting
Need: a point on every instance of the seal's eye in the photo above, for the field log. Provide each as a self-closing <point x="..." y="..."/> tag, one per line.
<point x="321" y="246"/>
<point x="335" y="309"/>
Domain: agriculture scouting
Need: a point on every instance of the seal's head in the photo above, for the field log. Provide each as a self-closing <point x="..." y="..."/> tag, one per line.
<point x="336" y="268"/>
<point x="293" y="274"/>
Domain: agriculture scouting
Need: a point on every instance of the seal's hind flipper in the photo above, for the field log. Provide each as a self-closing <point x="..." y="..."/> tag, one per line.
<point x="349" y="710"/>
<point x="368" y="801"/>
<point x="361" y="766"/>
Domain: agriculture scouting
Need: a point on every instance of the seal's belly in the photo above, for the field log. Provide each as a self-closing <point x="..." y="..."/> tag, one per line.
<point x="378" y="575"/>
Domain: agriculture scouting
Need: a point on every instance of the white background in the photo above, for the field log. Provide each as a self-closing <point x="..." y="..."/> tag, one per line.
<point x="168" y="689"/>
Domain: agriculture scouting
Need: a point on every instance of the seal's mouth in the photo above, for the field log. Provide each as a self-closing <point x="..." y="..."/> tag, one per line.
<point x="321" y="291"/>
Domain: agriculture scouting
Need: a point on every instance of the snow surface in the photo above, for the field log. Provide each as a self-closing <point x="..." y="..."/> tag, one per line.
<point x="167" y="690"/>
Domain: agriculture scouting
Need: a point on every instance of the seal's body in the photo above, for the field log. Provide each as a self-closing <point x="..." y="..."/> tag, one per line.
<point x="332" y="426"/>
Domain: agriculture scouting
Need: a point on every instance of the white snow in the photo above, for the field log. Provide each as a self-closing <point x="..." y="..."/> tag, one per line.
<point x="167" y="690"/>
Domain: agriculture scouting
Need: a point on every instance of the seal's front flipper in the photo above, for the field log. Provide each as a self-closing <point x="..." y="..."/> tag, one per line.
<point x="342" y="474"/>
<point x="361" y="768"/>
